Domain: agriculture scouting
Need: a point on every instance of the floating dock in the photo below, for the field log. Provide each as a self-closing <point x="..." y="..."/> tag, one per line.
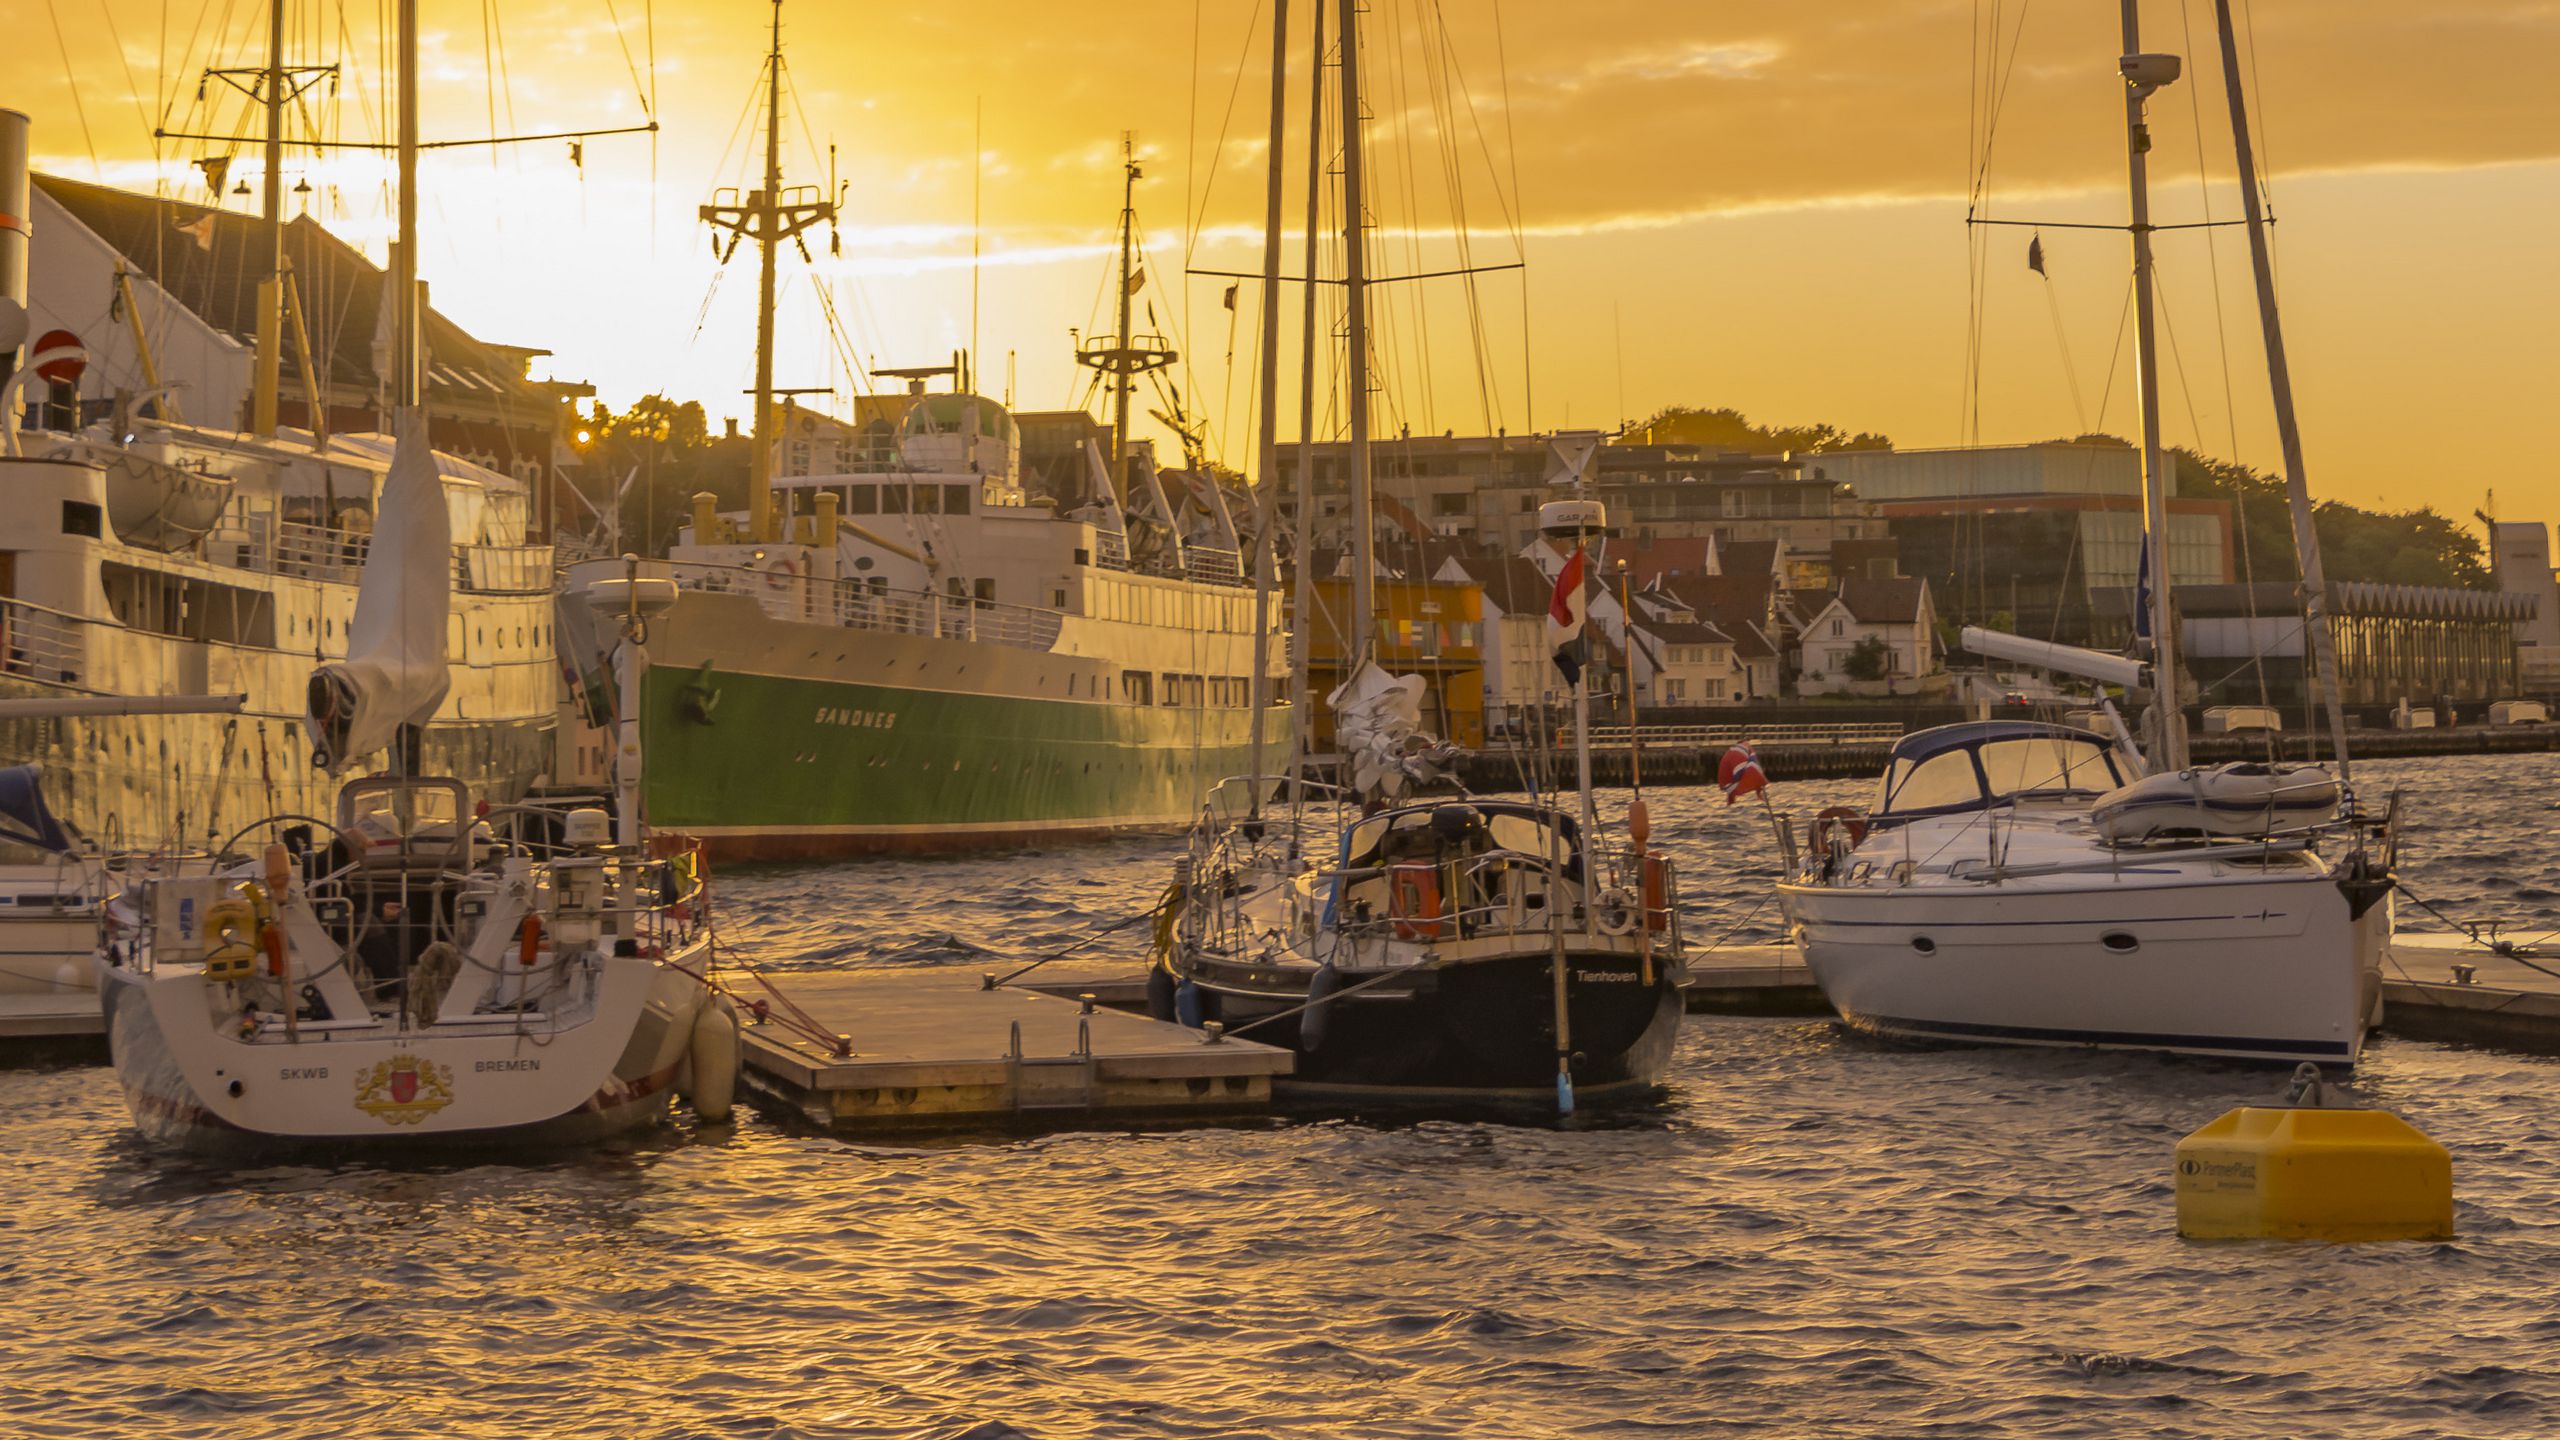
<point x="937" y="1048"/>
<point x="2439" y="986"/>
<point x="68" y="1020"/>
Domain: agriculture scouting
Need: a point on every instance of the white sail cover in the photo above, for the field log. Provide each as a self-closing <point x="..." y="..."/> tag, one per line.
<point x="1377" y="724"/>
<point x="394" y="673"/>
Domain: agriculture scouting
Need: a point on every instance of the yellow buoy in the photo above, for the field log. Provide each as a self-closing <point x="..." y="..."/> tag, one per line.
<point x="2313" y="1173"/>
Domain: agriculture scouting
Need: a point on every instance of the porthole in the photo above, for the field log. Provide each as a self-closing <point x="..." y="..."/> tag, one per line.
<point x="2120" y="942"/>
<point x="1922" y="944"/>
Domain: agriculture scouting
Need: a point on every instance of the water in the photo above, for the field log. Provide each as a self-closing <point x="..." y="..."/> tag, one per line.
<point x="1812" y="1235"/>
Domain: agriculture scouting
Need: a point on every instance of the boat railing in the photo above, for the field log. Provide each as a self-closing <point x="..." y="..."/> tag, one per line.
<point x="41" y="644"/>
<point x="1218" y="567"/>
<point x="859" y="605"/>
<point x="298" y="550"/>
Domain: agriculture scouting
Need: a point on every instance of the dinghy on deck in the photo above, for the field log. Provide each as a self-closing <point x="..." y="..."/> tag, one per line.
<point x="2249" y="801"/>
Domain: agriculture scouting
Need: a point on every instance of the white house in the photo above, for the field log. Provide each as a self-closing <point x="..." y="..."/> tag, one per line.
<point x="1892" y="619"/>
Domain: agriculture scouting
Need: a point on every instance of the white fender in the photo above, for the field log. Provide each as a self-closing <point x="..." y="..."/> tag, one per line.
<point x="713" y="1057"/>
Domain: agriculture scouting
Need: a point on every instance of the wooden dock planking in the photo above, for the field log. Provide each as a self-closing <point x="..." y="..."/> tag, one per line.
<point x="933" y="1047"/>
<point x="1729" y="980"/>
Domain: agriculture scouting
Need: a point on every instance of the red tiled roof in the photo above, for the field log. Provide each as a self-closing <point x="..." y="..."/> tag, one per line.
<point x="1883" y="602"/>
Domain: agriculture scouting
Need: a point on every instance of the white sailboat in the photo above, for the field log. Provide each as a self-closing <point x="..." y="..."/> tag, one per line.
<point x="421" y="967"/>
<point x="2032" y="884"/>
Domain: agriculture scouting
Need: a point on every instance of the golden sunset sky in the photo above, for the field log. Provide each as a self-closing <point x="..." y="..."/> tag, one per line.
<point x="1748" y="203"/>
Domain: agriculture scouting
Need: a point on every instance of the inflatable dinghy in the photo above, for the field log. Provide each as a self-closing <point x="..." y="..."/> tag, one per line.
<point x="2243" y="801"/>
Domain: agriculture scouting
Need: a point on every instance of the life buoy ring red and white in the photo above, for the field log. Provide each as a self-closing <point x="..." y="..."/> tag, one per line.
<point x="1847" y="820"/>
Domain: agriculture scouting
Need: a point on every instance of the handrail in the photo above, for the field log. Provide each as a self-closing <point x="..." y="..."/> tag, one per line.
<point x="857" y="605"/>
<point x="1764" y="736"/>
<point x="40" y="643"/>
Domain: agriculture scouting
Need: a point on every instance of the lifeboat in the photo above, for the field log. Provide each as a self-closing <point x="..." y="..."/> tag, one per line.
<point x="155" y="505"/>
<point x="2248" y="800"/>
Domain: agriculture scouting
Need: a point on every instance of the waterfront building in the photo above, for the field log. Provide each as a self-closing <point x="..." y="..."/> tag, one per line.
<point x="2432" y="646"/>
<point x="1886" y="629"/>
<point x="126" y="271"/>
<point x="2021" y="537"/>
<point x="1428" y="627"/>
<point x="2520" y="561"/>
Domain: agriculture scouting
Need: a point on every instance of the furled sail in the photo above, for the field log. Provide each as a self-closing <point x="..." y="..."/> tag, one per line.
<point x="1378" y="727"/>
<point x="394" y="673"/>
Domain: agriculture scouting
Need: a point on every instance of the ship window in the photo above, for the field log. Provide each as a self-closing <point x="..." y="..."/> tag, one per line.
<point x="926" y="498"/>
<point x="862" y="500"/>
<point x="893" y="499"/>
<point x="985" y="590"/>
<point x="955" y="499"/>
<point x="1947" y="778"/>
<point x="79" y="517"/>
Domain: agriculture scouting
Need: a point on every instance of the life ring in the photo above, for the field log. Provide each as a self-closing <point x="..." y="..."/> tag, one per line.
<point x="229" y="922"/>
<point x="1617" y="911"/>
<point x="1847" y="818"/>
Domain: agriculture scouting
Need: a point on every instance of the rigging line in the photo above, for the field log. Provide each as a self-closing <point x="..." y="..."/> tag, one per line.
<point x="1519" y="235"/>
<point x="72" y="82"/>
<point x="648" y="102"/>
<point x="2062" y="342"/>
<point x="1191" y="158"/>
<point x="131" y="88"/>
<point x="1226" y="123"/>
<point x="1478" y="346"/>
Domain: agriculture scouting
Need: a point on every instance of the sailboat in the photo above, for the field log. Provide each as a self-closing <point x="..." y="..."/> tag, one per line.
<point x="2033" y="884"/>
<point x="1419" y="948"/>
<point x="422" y="967"/>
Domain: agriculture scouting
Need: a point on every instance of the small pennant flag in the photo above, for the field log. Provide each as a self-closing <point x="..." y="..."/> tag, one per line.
<point x="2035" y="254"/>
<point x="216" y="170"/>
<point x="1740" y="774"/>
<point x="1231" y="295"/>
<point x="201" y="231"/>
<point x="1137" y="280"/>
<point x="1566" y="611"/>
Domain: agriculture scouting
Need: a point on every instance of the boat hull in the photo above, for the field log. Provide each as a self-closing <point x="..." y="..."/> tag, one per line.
<point x="772" y="739"/>
<point x="1479" y="1031"/>
<point x="2278" y="970"/>
<point x="193" y="1084"/>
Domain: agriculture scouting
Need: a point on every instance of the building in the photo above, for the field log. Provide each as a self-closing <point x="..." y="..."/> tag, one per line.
<point x="2428" y="645"/>
<point x="2520" y="561"/>
<point x="1424" y="627"/>
<point x="1483" y="492"/>
<point x="2023" y="536"/>
<point x="1888" y="625"/>
<point x="188" y="291"/>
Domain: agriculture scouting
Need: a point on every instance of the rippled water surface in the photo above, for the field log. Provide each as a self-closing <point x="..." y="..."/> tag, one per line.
<point x="1812" y="1235"/>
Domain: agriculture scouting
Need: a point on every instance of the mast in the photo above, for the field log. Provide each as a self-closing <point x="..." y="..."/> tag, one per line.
<point x="766" y="218"/>
<point x="2144" y="74"/>
<point x="1267" y="490"/>
<point x="1128" y="381"/>
<point x="404" y="251"/>
<point x="2297" y="484"/>
<point x="270" y="357"/>
<point x="1355" y="282"/>
<point x="1302" y="608"/>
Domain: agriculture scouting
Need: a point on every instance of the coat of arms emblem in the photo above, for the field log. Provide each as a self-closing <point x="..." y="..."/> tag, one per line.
<point x="404" y="1089"/>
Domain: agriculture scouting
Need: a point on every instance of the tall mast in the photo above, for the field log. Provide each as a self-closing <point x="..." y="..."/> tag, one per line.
<point x="768" y="219"/>
<point x="2297" y="484"/>
<point x="270" y="357"/>
<point x="2144" y="74"/>
<point x="1266" y="490"/>
<point x="1128" y="260"/>
<point x="1302" y="609"/>
<point x="404" y="251"/>
<point x="1355" y="282"/>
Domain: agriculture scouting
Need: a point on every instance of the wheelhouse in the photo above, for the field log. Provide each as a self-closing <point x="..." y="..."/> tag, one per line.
<point x="1957" y="768"/>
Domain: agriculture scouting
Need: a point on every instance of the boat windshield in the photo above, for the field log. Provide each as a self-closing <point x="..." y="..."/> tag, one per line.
<point x="1999" y="767"/>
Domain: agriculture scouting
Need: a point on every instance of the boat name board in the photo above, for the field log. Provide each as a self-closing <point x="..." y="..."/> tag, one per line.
<point x="858" y="719"/>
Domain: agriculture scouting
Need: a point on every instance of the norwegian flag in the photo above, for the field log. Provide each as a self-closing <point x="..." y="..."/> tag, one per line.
<point x="1566" y="610"/>
<point x="1740" y="774"/>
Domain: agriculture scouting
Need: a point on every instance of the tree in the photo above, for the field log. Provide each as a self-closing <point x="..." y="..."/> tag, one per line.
<point x="1728" y="429"/>
<point x="1869" y="659"/>
<point x="2409" y="547"/>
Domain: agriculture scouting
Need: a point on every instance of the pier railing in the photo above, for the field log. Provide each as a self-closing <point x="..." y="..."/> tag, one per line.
<point x="40" y="644"/>
<point x="1682" y="737"/>
<point x="857" y="605"/>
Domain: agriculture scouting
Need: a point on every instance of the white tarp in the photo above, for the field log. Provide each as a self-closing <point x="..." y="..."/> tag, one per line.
<point x="394" y="673"/>
<point x="1377" y="725"/>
